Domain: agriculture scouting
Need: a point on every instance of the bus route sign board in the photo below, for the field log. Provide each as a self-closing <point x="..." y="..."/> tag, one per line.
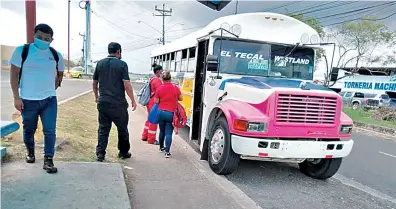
<point x="384" y="86"/>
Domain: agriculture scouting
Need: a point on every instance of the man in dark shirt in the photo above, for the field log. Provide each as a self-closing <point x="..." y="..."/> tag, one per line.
<point x="112" y="75"/>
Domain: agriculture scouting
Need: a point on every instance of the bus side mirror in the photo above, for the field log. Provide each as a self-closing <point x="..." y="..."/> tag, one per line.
<point x="212" y="63"/>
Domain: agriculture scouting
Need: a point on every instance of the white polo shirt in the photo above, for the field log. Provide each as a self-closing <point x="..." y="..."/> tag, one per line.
<point x="38" y="73"/>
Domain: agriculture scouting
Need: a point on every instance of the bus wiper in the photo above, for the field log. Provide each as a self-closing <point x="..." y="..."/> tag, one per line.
<point x="294" y="48"/>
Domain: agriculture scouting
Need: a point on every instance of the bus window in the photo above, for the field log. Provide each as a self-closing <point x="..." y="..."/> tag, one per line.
<point x="259" y="59"/>
<point x="299" y="64"/>
<point x="191" y="52"/>
<point x="243" y="58"/>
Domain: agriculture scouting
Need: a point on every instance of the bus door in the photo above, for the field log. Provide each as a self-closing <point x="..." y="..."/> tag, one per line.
<point x="200" y="73"/>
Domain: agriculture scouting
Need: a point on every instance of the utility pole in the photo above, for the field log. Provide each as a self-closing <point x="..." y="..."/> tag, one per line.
<point x="87" y="42"/>
<point x="164" y="13"/>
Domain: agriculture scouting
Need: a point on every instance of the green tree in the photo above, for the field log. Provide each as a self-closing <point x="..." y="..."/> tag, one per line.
<point x="358" y="43"/>
<point x="72" y="64"/>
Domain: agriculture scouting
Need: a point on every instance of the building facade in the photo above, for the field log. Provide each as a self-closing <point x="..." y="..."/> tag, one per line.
<point x="6" y="53"/>
<point x="373" y="81"/>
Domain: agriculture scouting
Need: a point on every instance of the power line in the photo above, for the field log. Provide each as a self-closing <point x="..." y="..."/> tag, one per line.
<point x="116" y="26"/>
<point x="352" y="11"/>
<point x="187" y="28"/>
<point x="360" y="18"/>
<point x="121" y="18"/>
<point x="283" y="5"/>
<point x="319" y="5"/>
<point x="362" y="12"/>
<point x="383" y="17"/>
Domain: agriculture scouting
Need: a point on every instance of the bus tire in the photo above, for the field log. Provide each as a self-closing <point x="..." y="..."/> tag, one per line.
<point x="223" y="160"/>
<point x="320" y="168"/>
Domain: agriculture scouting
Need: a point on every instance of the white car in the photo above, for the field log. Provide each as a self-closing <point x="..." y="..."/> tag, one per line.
<point x="141" y="80"/>
<point x="384" y="99"/>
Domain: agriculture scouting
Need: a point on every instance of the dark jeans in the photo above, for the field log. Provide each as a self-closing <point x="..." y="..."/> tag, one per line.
<point x="118" y="114"/>
<point x="166" y="129"/>
<point x="47" y="109"/>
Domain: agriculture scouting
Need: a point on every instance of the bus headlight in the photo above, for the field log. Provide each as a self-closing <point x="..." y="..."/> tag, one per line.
<point x="346" y="129"/>
<point x="257" y="127"/>
<point x="243" y="125"/>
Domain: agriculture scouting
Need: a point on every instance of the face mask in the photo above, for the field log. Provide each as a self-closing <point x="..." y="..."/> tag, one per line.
<point x="41" y="44"/>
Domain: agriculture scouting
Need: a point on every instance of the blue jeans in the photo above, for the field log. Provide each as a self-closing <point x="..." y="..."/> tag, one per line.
<point x="166" y="129"/>
<point x="47" y="109"/>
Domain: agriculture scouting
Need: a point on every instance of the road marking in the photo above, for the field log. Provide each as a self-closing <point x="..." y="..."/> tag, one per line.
<point x="384" y="153"/>
<point x="382" y="136"/>
<point x="349" y="182"/>
<point x="73" y="97"/>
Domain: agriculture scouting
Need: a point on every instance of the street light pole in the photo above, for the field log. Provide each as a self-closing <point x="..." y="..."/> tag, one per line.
<point x="68" y="37"/>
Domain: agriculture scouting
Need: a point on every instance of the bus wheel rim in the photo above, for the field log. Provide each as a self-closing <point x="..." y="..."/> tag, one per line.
<point x="217" y="145"/>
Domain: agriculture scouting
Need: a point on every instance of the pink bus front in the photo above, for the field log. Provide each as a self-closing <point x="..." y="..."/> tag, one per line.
<point x="279" y="119"/>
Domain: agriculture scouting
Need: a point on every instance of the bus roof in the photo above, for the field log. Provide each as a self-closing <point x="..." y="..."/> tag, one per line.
<point x="259" y="26"/>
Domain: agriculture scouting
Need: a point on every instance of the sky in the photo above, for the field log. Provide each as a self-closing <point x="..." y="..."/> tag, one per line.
<point x="118" y="21"/>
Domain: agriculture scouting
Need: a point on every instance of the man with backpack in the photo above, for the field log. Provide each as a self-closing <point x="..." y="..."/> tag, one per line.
<point x="36" y="73"/>
<point x="150" y="130"/>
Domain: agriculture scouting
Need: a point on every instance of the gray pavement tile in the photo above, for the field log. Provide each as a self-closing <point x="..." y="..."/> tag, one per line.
<point x="175" y="194"/>
<point x="154" y="181"/>
<point x="76" y="185"/>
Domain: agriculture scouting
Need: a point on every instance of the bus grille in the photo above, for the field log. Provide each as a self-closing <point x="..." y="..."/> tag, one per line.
<point x="306" y="109"/>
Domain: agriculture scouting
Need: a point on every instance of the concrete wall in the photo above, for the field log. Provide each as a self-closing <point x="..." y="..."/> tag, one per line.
<point x="6" y="53"/>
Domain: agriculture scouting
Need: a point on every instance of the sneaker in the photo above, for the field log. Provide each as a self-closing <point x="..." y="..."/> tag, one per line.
<point x="49" y="165"/>
<point x="30" y="158"/>
<point x="100" y="157"/>
<point x="124" y="156"/>
<point x="162" y="149"/>
<point x="144" y="139"/>
<point x="156" y="142"/>
<point x="167" y="155"/>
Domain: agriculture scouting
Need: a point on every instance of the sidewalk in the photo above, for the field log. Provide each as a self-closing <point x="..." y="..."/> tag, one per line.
<point x="179" y="182"/>
<point x="149" y="180"/>
<point x="76" y="185"/>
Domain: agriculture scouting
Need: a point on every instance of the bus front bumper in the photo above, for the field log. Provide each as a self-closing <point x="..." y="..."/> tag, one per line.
<point x="269" y="148"/>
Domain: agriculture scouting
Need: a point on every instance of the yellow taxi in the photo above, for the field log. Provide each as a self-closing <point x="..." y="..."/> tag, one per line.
<point x="77" y="72"/>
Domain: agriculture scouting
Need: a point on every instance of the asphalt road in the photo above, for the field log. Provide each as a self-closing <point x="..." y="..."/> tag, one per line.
<point x="367" y="179"/>
<point x="68" y="89"/>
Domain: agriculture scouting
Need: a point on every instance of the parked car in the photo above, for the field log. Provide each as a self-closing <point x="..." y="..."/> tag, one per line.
<point x="77" y="72"/>
<point x="383" y="99"/>
<point x="392" y="102"/>
<point x="358" y="100"/>
<point x="141" y="80"/>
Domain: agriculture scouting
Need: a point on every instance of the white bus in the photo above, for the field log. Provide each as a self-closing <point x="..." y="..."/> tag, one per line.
<point x="246" y="81"/>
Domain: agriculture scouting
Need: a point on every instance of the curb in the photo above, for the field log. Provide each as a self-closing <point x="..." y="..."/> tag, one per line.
<point x="375" y="128"/>
<point x="73" y="97"/>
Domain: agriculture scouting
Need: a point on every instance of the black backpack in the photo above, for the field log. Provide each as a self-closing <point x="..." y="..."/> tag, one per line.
<point x="25" y="53"/>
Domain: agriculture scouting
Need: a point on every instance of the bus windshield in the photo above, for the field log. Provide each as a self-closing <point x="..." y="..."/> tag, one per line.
<point x="259" y="59"/>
